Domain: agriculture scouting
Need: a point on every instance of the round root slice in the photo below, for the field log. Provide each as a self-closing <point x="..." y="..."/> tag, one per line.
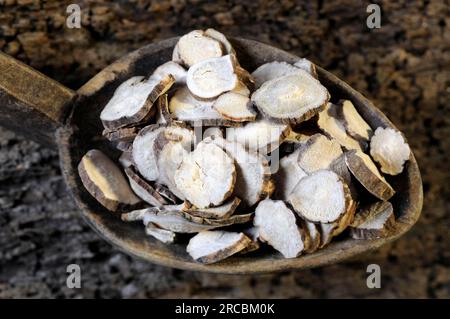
<point x="232" y="220"/>
<point x="288" y="175"/>
<point x="272" y="70"/>
<point x="373" y="221"/>
<point x="291" y="98"/>
<point x="278" y="227"/>
<point x="321" y="197"/>
<point x="354" y="124"/>
<point x="314" y="236"/>
<point x="234" y="107"/>
<point x="124" y="134"/>
<point x="331" y="124"/>
<point x="365" y="171"/>
<point x="207" y="176"/>
<point x="163" y="235"/>
<point x="212" y="246"/>
<point x="212" y="77"/>
<point x="105" y="182"/>
<point x="262" y="135"/>
<point x="308" y="66"/>
<point x="223" y="211"/>
<point x="390" y="150"/>
<point x="253" y="181"/>
<point x="133" y="100"/>
<point x="143" y="189"/>
<point x="195" y="47"/>
<point x="171" y="68"/>
<point x="318" y="153"/>
<point x="212" y="33"/>
<point x="163" y="115"/>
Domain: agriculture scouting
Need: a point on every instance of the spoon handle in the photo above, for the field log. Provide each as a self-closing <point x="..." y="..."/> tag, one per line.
<point x="31" y="104"/>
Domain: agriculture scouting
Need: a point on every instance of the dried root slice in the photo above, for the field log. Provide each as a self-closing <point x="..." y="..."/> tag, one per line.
<point x="390" y="150"/>
<point x="212" y="77"/>
<point x="245" y="77"/>
<point x="235" y="219"/>
<point x="126" y="159"/>
<point x="163" y="235"/>
<point x="278" y="227"/>
<point x="166" y="193"/>
<point x="223" y="211"/>
<point x="261" y="135"/>
<point x="331" y="124"/>
<point x="291" y="98"/>
<point x="272" y="70"/>
<point x="212" y="246"/>
<point x="207" y="176"/>
<point x="308" y="66"/>
<point x="321" y="197"/>
<point x="171" y="68"/>
<point x="143" y="189"/>
<point x="163" y="115"/>
<point x="253" y="181"/>
<point x="241" y="88"/>
<point x="365" y="171"/>
<point x="318" y="153"/>
<point x="133" y="100"/>
<point x="196" y="47"/>
<point x="212" y="33"/>
<point x="234" y="107"/>
<point x="288" y="175"/>
<point x="253" y="234"/>
<point x="326" y="233"/>
<point x="354" y="124"/>
<point x="105" y="182"/>
<point x="313" y="235"/>
<point x="373" y="221"/>
<point x="125" y="134"/>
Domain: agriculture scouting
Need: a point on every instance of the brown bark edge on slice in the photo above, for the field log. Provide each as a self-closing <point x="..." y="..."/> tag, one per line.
<point x="313" y="236"/>
<point x="376" y="220"/>
<point x="234" y="107"/>
<point x="163" y="114"/>
<point x="253" y="234"/>
<point x="365" y="171"/>
<point x="166" y="193"/>
<point x="105" y="182"/>
<point x="126" y="134"/>
<point x="212" y="246"/>
<point x="232" y="220"/>
<point x="220" y="212"/>
<point x="354" y="124"/>
<point x="143" y="189"/>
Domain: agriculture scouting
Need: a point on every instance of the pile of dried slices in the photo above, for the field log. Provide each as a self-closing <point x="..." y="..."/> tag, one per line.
<point x="238" y="160"/>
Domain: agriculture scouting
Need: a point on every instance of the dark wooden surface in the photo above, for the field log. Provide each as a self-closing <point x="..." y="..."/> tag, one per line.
<point x="403" y="67"/>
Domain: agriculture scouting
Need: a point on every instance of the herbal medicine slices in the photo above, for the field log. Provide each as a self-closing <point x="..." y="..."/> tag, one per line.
<point x="236" y="160"/>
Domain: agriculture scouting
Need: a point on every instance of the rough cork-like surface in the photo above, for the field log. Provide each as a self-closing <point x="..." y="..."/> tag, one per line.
<point x="403" y="67"/>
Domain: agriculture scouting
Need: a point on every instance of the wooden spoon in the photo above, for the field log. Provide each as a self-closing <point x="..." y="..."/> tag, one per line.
<point x="44" y="110"/>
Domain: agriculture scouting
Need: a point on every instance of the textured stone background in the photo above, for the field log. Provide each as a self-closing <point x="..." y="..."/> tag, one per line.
<point x="404" y="67"/>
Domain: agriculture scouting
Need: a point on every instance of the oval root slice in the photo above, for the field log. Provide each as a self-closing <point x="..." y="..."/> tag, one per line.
<point x="234" y="107"/>
<point x="196" y="47"/>
<point x="373" y="221"/>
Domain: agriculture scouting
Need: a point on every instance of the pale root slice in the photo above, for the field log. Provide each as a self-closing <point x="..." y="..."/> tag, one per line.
<point x="365" y="171"/>
<point x="212" y="33"/>
<point x="330" y="230"/>
<point x="272" y="70"/>
<point x="354" y="124"/>
<point x="277" y="226"/>
<point x="288" y="175"/>
<point x="126" y="159"/>
<point x="125" y="134"/>
<point x="183" y="106"/>
<point x="195" y="47"/>
<point x="171" y="68"/>
<point x="390" y="150"/>
<point x="105" y="182"/>
<point x="207" y="176"/>
<point x="241" y="88"/>
<point x="212" y="246"/>
<point x="234" y="107"/>
<point x="253" y="181"/>
<point x="163" y="235"/>
<point x="143" y="189"/>
<point x="133" y="100"/>
<point x="376" y="220"/>
<point x="212" y="77"/>
<point x="307" y="65"/>
<point x="291" y="98"/>
<point x="232" y="220"/>
<point x="163" y="115"/>
<point x="261" y="135"/>
<point x="318" y="153"/>
<point x="331" y="124"/>
<point x="223" y="211"/>
<point x="314" y="236"/>
<point x="253" y="234"/>
<point x="321" y="197"/>
<point x="326" y="233"/>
